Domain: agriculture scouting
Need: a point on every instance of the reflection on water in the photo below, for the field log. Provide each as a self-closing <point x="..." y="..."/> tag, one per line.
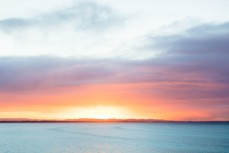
<point x="114" y="138"/>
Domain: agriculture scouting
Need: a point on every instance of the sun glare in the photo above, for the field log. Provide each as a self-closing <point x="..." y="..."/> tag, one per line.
<point x="98" y="112"/>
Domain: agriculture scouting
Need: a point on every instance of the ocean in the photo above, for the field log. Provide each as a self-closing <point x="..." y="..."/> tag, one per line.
<point x="114" y="138"/>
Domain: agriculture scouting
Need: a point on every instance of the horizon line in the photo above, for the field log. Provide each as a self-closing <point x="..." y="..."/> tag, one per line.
<point x="108" y="120"/>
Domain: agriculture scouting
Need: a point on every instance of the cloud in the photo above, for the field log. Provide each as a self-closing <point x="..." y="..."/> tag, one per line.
<point x="191" y="62"/>
<point x="194" y="63"/>
<point x="204" y="39"/>
<point x="177" y="81"/>
<point x="14" y="23"/>
<point x="85" y="29"/>
<point x="36" y="73"/>
<point x="84" y="16"/>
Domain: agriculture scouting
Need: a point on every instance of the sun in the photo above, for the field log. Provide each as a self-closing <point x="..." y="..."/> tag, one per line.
<point x="97" y="112"/>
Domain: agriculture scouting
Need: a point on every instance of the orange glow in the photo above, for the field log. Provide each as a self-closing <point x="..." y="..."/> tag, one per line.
<point x="99" y="101"/>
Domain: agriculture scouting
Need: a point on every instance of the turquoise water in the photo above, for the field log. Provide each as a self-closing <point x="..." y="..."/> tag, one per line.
<point x="114" y="138"/>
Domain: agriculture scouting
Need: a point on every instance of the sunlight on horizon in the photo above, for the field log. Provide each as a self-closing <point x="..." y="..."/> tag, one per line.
<point x="97" y="112"/>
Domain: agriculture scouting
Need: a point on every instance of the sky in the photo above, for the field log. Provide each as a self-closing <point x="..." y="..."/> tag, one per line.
<point x="143" y="59"/>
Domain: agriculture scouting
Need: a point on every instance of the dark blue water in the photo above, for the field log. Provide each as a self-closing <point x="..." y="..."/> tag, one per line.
<point x="114" y="138"/>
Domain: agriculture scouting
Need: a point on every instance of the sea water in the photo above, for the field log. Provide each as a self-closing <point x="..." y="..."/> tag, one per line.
<point x="114" y="138"/>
